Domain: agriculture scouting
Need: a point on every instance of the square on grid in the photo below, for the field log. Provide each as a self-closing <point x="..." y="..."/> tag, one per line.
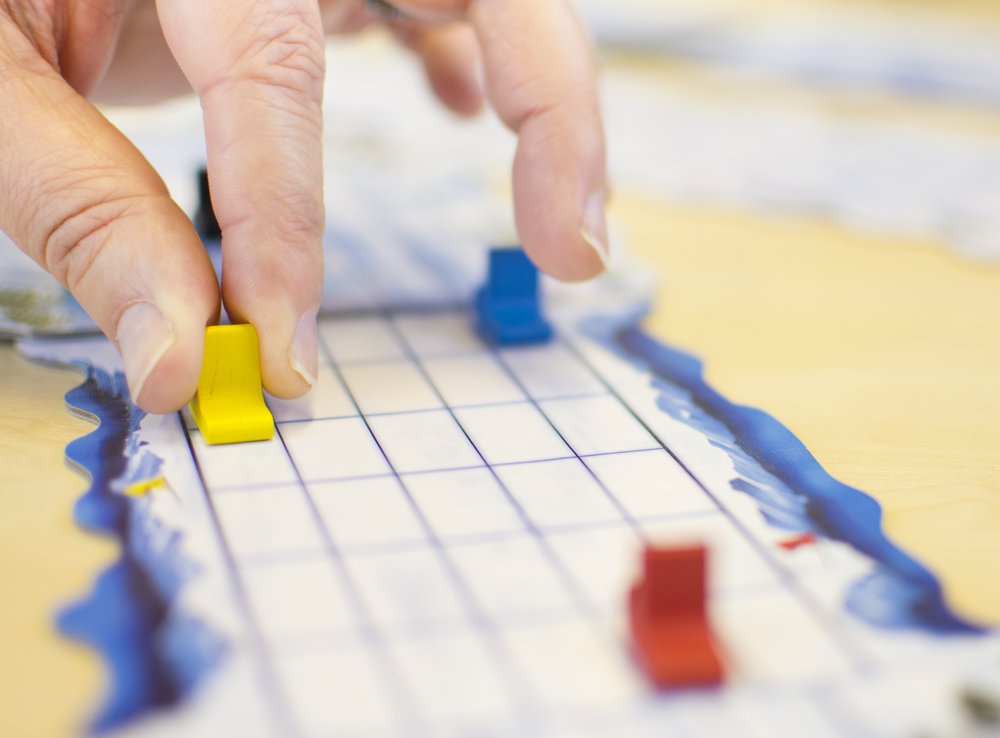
<point x="511" y="578"/>
<point x="239" y="465"/>
<point x="389" y="387"/>
<point x="472" y="379"/>
<point x="771" y="636"/>
<point x="651" y="483"/>
<point x="574" y="668"/>
<point x="297" y="600"/>
<point x="598" y="425"/>
<point x="339" y="448"/>
<point x="408" y="590"/>
<point x="265" y="522"/>
<point x="427" y="441"/>
<point x="464" y="503"/>
<point x="557" y="494"/>
<point x="439" y="334"/>
<point x="337" y="691"/>
<point x="367" y="513"/>
<point x="365" y="338"/>
<point x="457" y="685"/>
<point x="326" y="400"/>
<point x="507" y="434"/>
<point x="798" y="712"/>
<point x="603" y="562"/>
<point x="551" y="370"/>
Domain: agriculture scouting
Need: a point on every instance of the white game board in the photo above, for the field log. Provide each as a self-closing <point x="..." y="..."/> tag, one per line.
<point x="440" y="539"/>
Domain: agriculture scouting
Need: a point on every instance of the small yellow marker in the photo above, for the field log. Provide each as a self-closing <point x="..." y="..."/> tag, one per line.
<point x="229" y="405"/>
<point x="138" y="489"/>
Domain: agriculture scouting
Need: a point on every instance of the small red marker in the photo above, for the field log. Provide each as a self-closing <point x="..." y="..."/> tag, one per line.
<point x="670" y="630"/>
<point x="794" y="542"/>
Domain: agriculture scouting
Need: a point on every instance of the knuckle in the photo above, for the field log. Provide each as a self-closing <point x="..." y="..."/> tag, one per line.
<point x="286" y="52"/>
<point x="28" y="36"/>
<point x="304" y="214"/>
<point x="72" y="245"/>
<point x="528" y="96"/>
<point x="297" y="216"/>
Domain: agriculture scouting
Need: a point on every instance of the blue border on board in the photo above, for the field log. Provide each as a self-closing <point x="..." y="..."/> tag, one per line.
<point x="792" y="490"/>
<point x="155" y="657"/>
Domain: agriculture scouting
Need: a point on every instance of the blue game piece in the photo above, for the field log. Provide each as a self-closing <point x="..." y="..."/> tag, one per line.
<point x="508" y="306"/>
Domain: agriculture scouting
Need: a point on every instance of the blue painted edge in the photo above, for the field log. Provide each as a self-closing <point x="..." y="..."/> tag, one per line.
<point x="154" y="657"/>
<point x="790" y="486"/>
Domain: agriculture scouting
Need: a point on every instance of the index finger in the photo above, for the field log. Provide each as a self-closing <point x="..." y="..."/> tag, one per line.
<point x="541" y="79"/>
<point x="257" y="66"/>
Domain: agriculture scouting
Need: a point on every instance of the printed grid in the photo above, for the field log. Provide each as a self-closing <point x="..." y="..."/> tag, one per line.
<point x="439" y="539"/>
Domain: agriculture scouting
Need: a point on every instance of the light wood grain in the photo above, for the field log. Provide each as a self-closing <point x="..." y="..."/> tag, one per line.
<point x="883" y="356"/>
<point x="49" y="685"/>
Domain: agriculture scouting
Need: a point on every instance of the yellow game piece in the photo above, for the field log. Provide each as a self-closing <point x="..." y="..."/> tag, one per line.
<point x="229" y="405"/>
<point x="137" y="489"/>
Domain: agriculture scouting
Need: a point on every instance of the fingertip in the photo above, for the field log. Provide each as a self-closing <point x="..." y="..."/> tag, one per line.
<point x="289" y="355"/>
<point x="594" y="231"/>
<point x="559" y="202"/>
<point x="456" y="83"/>
<point x="297" y="374"/>
<point x="462" y="98"/>
<point x="172" y="382"/>
<point x="183" y="292"/>
<point x="283" y="380"/>
<point x="570" y="258"/>
<point x="162" y="356"/>
<point x="278" y="291"/>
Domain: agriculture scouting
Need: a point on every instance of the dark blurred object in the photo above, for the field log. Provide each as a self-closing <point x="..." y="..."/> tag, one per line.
<point x="984" y="709"/>
<point x="204" y="220"/>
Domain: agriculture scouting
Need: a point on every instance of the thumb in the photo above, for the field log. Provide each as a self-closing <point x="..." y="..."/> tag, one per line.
<point x="83" y="202"/>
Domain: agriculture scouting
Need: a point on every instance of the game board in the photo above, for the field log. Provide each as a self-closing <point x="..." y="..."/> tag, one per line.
<point x="439" y="542"/>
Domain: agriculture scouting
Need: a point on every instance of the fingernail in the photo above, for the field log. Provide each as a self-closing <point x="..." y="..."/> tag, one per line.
<point x="143" y="337"/>
<point x="595" y="229"/>
<point x="303" y="354"/>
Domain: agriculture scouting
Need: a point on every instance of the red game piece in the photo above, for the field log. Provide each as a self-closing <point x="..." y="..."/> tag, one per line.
<point x="793" y="542"/>
<point x="672" y="637"/>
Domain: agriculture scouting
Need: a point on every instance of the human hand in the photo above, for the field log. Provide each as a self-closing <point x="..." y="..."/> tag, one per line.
<point x="79" y="198"/>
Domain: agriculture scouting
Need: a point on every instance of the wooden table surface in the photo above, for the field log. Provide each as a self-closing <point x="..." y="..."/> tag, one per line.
<point x="48" y="683"/>
<point x="882" y="355"/>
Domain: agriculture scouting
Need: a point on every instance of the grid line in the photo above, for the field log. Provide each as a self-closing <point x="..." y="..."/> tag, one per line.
<point x="565" y="575"/>
<point x="859" y="659"/>
<point x="369" y="628"/>
<point x="503" y="661"/>
<point x="234" y="488"/>
<point x="490" y="624"/>
<point x="626" y="515"/>
<point x="425" y="410"/>
<point x="264" y="658"/>
<point x="469" y="540"/>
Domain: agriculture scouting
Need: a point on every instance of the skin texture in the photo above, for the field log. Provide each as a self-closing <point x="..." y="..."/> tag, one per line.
<point x="83" y="202"/>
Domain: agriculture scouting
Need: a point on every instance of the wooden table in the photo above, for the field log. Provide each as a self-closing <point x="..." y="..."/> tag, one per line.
<point x="48" y="684"/>
<point x="882" y="355"/>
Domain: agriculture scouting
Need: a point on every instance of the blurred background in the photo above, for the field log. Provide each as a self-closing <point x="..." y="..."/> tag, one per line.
<point x="817" y="187"/>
